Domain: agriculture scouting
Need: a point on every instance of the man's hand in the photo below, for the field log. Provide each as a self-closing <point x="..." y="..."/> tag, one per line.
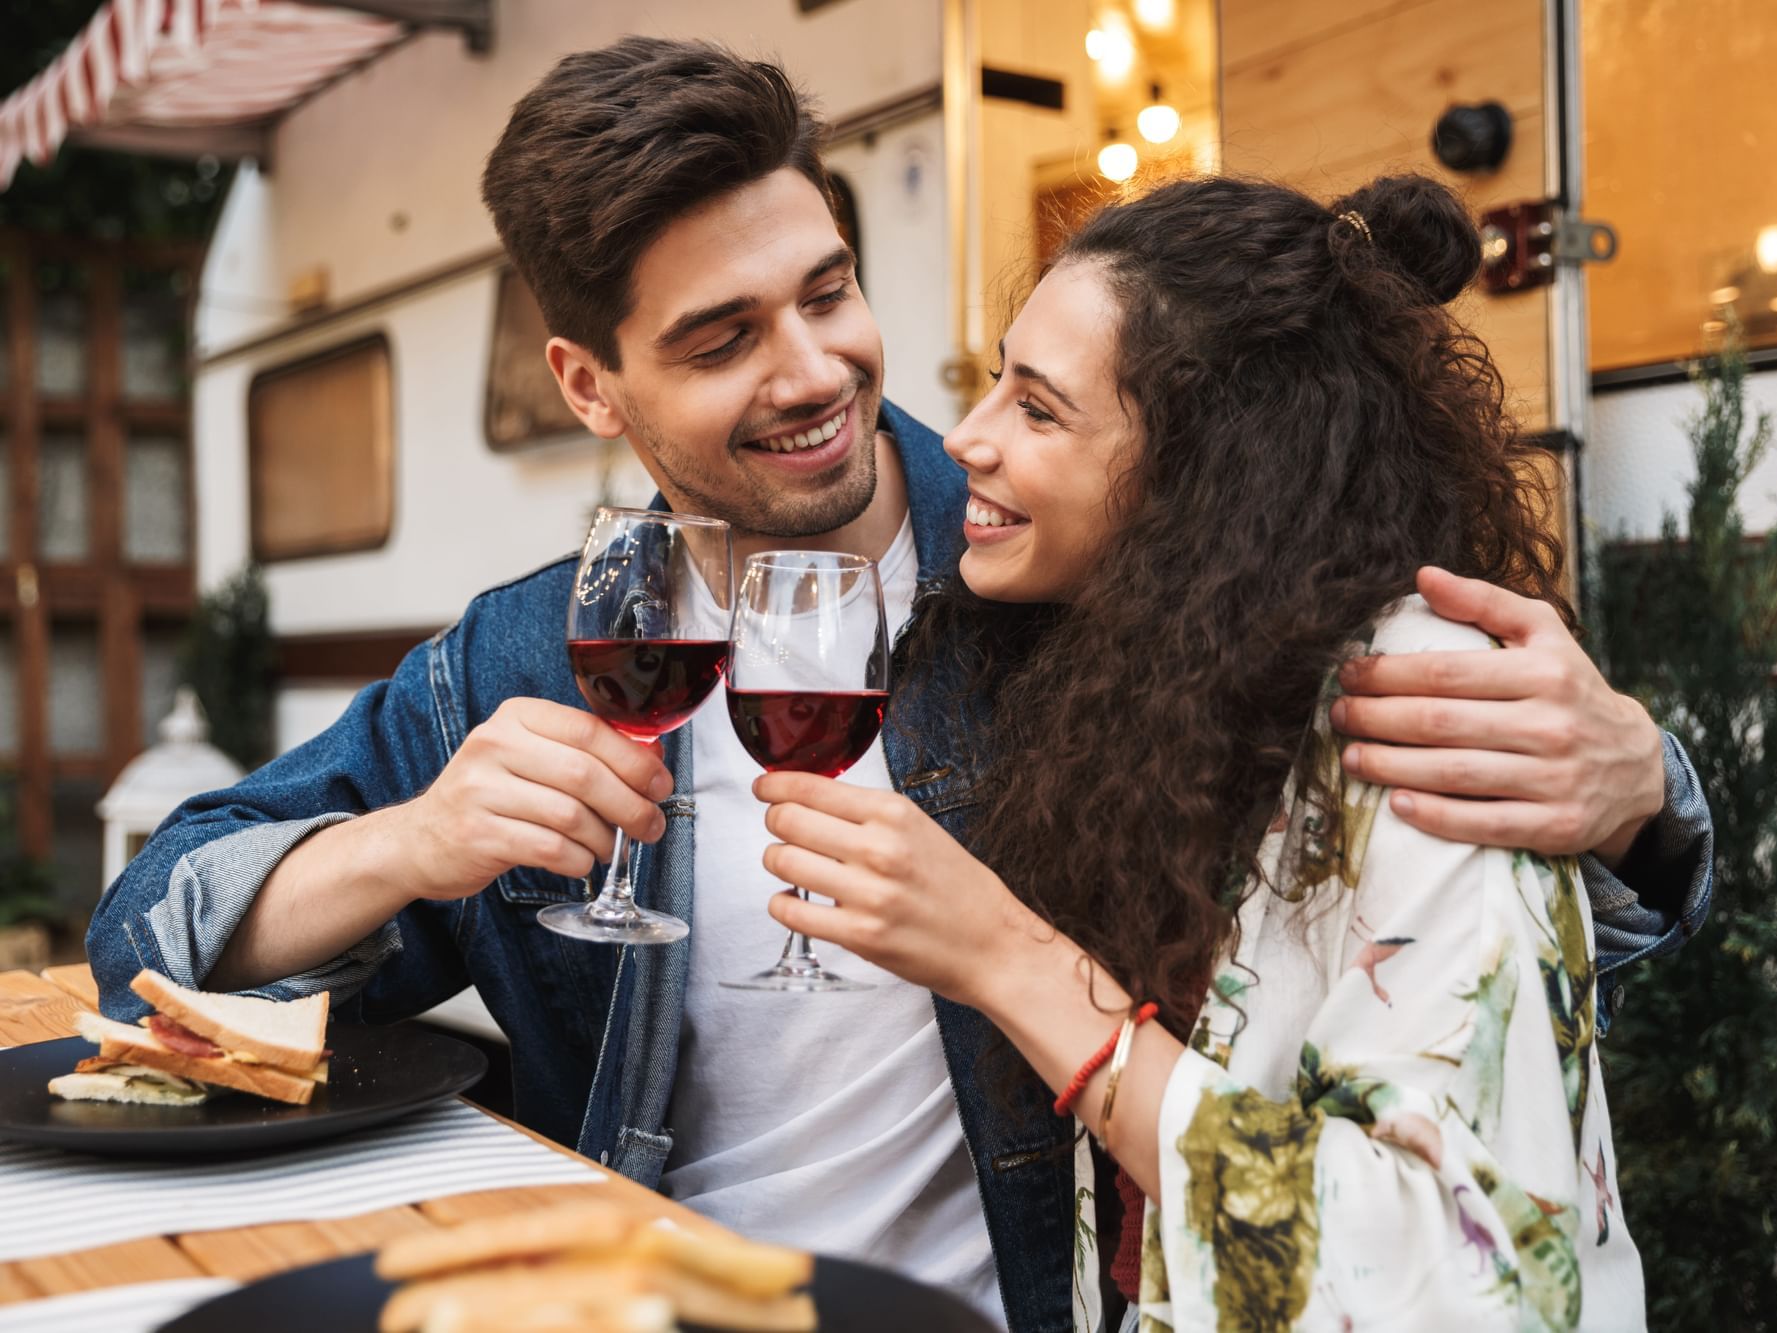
<point x="1524" y="747"/>
<point x="537" y="784"/>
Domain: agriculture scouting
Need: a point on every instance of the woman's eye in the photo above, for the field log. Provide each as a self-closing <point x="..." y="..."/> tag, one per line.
<point x="1034" y="412"/>
<point x="995" y="375"/>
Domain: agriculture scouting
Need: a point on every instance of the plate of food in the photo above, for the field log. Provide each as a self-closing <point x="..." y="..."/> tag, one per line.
<point x="589" y="1267"/>
<point x="207" y="1073"/>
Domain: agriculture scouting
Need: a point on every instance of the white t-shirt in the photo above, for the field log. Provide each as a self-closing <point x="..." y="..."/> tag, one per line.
<point x="822" y="1121"/>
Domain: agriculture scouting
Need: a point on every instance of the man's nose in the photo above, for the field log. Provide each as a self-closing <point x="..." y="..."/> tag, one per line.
<point x="807" y="374"/>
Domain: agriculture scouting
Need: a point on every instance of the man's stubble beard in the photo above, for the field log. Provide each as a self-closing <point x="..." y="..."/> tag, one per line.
<point x="765" y="512"/>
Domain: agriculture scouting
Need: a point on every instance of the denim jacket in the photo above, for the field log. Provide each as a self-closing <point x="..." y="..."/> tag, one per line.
<point x="594" y="1029"/>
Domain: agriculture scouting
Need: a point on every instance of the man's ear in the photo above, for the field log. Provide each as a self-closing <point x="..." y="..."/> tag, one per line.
<point x="587" y="387"/>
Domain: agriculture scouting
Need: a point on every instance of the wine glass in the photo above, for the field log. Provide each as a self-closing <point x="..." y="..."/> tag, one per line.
<point x="647" y="640"/>
<point x="807" y="686"/>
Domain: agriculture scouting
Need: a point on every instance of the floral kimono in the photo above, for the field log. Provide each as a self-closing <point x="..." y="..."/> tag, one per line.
<point x="1391" y="1115"/>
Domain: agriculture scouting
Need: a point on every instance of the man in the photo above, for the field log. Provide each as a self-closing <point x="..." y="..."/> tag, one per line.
<point x="666" y="203"/>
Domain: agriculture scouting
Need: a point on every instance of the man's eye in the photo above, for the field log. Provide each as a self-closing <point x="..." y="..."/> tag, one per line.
<point x="722" y="353"/>
<point x="827" y="300"/>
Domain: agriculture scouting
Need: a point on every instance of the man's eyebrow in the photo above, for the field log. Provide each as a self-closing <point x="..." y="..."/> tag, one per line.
<point x="693" y="320"/>
<point x="1025" y="372"/>
<point x="839" y="258"/>
<point x="690" y="322"/>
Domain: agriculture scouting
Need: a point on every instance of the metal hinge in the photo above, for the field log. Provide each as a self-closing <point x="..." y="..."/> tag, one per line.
<point x="1521" y="244"/>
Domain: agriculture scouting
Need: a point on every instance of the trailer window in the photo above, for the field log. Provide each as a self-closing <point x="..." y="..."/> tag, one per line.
<point x="524" y="405"/>
<point x="1681" y="131"/>
<point x="321" y="453"/>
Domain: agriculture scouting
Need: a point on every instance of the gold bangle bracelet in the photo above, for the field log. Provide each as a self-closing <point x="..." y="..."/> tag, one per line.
<point x="1119" y="1058"/>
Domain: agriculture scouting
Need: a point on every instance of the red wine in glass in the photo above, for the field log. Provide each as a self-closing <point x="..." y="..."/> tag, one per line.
<point x="807" y="688"/>
<point x="648" y="637"/>
<point x="646" y="687"/>
<point x="806" y="731"/>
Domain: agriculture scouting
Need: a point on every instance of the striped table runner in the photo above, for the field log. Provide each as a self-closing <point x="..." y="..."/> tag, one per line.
<point x="53" y="1202"/>
<point x="137" y="1308"/>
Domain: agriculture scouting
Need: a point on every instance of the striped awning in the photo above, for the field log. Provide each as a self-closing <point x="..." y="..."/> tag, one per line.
<point x="144" y="73"/>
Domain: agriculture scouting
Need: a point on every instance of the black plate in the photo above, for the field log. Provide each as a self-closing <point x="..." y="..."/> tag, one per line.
<point x="376" y="1075"/>
<point x="345" y="1295"/>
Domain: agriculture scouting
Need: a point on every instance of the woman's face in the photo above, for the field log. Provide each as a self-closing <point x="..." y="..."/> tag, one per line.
<point x="1044" y="448"/>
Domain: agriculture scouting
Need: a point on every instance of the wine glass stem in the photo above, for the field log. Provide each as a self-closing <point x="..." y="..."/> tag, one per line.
<point x="799" y="950"/>
<point x="618" y="894"/>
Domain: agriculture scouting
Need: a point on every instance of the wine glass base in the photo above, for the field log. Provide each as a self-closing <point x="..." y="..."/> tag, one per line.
<point x="631" y="925"/>
<point x="801" y="980"/>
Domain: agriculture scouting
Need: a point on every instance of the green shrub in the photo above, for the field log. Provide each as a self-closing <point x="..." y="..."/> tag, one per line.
<point x="1689" y="625"/>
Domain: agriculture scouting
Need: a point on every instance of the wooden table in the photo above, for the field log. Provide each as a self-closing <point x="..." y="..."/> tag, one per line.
<point x="42" y="1008"/>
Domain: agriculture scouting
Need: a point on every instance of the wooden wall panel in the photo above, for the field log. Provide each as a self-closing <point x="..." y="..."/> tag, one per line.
<point x="1329" y="96"/>
<point x="1256" y="29"/>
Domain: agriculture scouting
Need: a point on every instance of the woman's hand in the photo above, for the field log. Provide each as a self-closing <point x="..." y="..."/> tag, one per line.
<point x="906" y="895"/>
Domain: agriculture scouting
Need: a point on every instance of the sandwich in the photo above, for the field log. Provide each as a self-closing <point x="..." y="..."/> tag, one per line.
<point x="101" y="1080"/>
<point x="196" y="1042"/>
<point x="590" y="1267"/>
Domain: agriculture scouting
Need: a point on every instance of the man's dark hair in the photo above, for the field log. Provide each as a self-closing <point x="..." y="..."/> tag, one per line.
<point x="615" y="144"/>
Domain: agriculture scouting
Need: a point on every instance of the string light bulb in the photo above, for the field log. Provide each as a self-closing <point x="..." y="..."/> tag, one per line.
<point x="1766" y="249"/>
<point x="1154" y="13"/>
<point x="1112" y="48"/>
<point x="1117" y="161"/>
<point x="1157" y="121"/>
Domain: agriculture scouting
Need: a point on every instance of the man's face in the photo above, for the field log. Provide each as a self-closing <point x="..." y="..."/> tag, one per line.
<point x="752" y="369"/>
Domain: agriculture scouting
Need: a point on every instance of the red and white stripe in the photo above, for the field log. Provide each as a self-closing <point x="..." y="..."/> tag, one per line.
<point x="184" y="63"/>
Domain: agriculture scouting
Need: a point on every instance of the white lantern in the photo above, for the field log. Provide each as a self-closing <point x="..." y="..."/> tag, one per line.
<point x="157" y="781"/>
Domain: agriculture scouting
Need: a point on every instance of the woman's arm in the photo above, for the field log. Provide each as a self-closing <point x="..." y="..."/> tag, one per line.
<point x="1429" y="1149"/>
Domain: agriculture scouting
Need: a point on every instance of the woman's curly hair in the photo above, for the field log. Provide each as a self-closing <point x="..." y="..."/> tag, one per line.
<point x="1315" y="427"/>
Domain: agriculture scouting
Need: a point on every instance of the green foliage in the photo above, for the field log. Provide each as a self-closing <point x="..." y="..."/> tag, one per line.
<point x="27" y="887"/>
<point x="85" y="192"/>
<point x="1690" y="627"/>
<point x="228" y="658"/>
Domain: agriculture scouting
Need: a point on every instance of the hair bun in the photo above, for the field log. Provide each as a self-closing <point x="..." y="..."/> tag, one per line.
<point x="1421" y="228"/>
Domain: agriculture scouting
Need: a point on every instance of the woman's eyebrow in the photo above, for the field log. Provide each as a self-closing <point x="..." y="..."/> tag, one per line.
<point x="1025" y="372"/>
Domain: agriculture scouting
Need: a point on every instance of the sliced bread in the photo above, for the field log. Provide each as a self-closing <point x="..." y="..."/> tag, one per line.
<point x="136" y="1045"/>
<point x="286" y="1034"/>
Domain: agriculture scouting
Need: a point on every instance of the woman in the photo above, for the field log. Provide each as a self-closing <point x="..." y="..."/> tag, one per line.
<point x="1230" y="427"/>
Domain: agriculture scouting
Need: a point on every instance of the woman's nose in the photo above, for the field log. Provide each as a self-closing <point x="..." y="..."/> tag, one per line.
<point x="971" y="441"/>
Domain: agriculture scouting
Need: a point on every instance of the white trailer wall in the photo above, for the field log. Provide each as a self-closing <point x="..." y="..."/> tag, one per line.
<point x="1638" y="463"/>
<point x="375" y="181"/>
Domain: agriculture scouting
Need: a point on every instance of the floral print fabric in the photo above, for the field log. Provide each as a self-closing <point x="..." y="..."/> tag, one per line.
<point x="1390" y="1115"/>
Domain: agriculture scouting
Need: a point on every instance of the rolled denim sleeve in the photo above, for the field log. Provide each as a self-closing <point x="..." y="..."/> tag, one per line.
<point x="212" y="887"/>
<point x="178" y="903"/>
<point x="1659" y="896"/>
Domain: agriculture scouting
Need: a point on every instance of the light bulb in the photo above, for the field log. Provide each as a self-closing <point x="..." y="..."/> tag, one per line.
<point x="1154" y="13"/>
<point x="1117" y="161"/>
<point x="1766" y="249"/>
<point x="1157" y="123"/>
<point x="1119" y="57"/>
<point x="1095" y="44"/>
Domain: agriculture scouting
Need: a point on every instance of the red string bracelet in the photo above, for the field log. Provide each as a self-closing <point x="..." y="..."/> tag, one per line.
<point x="1095" y="1062"/>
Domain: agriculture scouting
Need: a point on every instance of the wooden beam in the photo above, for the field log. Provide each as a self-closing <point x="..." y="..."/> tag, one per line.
<point x="229" y="142"/>
<point x="349" y="657"/>
<point x="30" y="626"/>
<point x="474" y="18"/>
